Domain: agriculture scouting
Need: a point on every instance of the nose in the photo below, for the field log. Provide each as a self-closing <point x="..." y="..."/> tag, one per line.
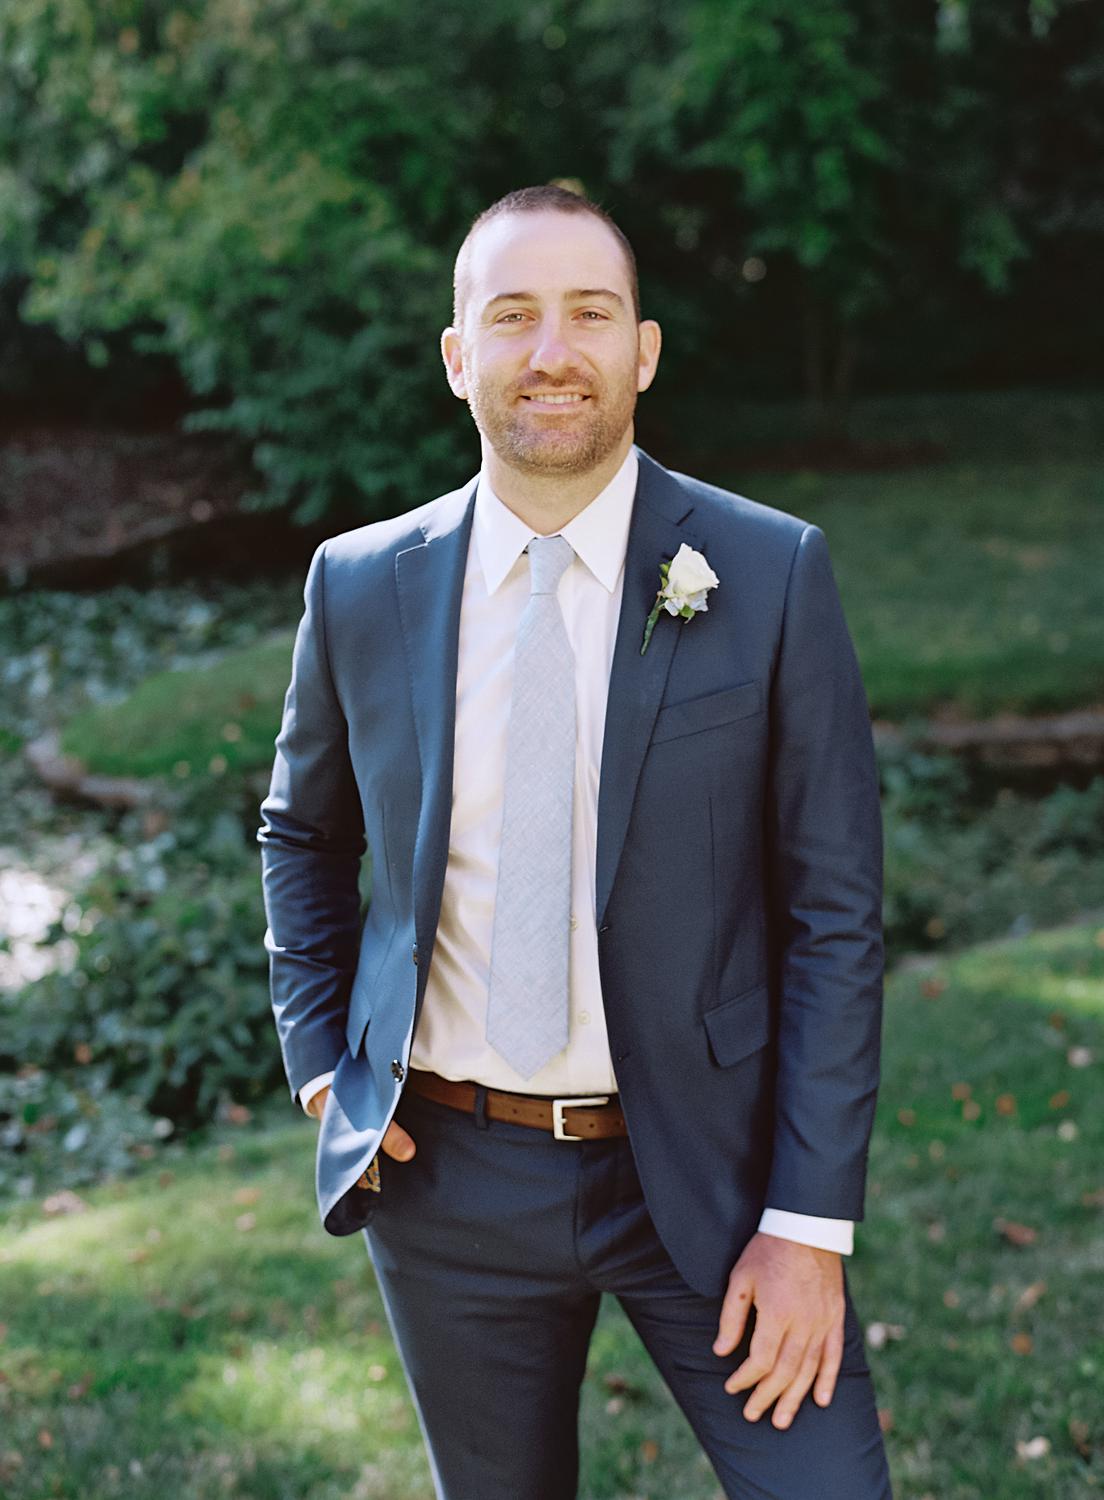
<point x="552" y="353"/>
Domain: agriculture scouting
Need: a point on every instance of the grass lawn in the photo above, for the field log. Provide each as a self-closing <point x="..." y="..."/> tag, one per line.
<point x="177" y="723"/>
<point x="194" y="1333"/>
<point x="971" y="585"/>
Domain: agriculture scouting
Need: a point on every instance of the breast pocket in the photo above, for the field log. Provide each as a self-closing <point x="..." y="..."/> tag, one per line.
<point x="709" y="711"/>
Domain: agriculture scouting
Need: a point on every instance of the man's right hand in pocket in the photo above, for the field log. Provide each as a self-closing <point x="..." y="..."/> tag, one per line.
<point x="396" y="1142"/>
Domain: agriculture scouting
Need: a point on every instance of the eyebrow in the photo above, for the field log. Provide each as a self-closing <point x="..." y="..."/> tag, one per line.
<point x="576" y="294"/>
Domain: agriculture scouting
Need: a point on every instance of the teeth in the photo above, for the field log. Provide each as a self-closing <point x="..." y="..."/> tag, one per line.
<point x="556" y="400"/>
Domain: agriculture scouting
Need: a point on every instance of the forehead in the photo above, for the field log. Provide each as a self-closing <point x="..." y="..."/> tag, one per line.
<point x="545" y="253"/>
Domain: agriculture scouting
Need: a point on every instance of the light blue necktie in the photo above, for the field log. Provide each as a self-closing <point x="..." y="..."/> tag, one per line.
<point x="528" y="992"/>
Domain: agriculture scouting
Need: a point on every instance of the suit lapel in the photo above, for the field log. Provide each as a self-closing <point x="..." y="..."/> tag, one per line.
<point x="656" y="531"/>
<point x="430" y="581"/>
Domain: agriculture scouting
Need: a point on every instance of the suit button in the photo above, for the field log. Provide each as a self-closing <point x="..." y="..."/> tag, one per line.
<point x="414" y="953"/>
<point x="397" y="1070"/>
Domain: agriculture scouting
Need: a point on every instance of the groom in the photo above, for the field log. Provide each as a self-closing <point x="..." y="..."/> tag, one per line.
<point x="612" y="1021"/>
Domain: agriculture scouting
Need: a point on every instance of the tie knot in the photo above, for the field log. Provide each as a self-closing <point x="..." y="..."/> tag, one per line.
<point x="548" y="557"/>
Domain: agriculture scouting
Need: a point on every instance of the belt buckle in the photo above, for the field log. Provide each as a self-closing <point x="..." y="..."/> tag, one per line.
<point x="558" y="1107"/>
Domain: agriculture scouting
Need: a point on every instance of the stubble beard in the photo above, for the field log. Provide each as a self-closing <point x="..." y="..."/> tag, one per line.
<point x="536" y="445"/>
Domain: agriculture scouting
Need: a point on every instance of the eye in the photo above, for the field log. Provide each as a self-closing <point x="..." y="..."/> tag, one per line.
<point x="594" y="312"/>
<point x="507" y="317"/>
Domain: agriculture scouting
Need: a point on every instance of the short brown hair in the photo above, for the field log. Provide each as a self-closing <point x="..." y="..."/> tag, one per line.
<point x="550" y="195"/>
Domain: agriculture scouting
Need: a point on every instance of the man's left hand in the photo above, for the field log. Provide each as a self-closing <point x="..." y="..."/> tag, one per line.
<point x="799" y="1306"/>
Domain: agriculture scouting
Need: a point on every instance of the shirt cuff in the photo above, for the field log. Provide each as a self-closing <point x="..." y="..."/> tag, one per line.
<point x="809" y="1229"/>
<point x="308" y="1091"/>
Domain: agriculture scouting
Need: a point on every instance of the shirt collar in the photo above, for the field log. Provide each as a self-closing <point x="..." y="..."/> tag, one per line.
<point x="599" y="533"/>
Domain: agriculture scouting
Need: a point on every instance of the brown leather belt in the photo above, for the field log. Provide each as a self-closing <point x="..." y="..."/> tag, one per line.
<point x="582" y="1118"/>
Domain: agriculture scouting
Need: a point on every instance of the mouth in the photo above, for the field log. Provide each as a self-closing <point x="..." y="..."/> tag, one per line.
<point x="556" y="400"/>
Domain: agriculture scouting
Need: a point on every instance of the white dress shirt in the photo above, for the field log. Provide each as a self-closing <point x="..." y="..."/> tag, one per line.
<point x="450" y="1038"/>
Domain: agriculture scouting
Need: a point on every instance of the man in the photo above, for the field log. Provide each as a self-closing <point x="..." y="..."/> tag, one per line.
<point x="612" y="1022"/>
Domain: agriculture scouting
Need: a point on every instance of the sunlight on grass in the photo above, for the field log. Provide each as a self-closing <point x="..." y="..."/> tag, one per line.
<point x="308" y="1395"/>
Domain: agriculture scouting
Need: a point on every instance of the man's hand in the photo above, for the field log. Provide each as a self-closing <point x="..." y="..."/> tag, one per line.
<point x="799" y="1306"/>
<point x="395" y="1142"/>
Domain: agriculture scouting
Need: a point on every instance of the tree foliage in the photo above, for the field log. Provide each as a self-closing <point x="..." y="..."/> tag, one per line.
<point x="270" y="192"/>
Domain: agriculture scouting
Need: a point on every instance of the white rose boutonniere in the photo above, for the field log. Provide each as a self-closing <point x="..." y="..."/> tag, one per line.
<point x="687" y="578"/>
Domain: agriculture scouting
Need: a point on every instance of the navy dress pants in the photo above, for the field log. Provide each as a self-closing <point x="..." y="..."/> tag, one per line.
<point x="492" y="1248"/>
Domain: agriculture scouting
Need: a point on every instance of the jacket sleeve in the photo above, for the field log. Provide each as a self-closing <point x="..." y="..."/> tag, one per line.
<point x="312" y="841"/>
<point x="824" y="848"/>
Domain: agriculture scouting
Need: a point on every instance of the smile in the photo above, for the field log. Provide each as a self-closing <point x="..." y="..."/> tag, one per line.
<point x="558" y="400"/>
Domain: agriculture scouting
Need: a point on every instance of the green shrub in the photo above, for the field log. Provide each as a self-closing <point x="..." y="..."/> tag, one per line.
<point x="957" y="872"/>
<point x="167" y="990"/>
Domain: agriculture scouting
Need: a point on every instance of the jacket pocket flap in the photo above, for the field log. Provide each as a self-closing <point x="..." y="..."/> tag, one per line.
<point x="739" y="1027"/>
<point x="708" y="711"/>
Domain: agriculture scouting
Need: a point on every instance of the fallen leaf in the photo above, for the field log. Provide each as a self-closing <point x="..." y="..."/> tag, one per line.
<point x="247" y="1195"/>
<point x="960" y="1091"/>
<point x="1060" y="1099"/>
<point x="951" y="1298"/>
<point x="931" y="989"/>
<point x="879" y="1334"/>
<point x="885" y="1419"/>
<point x="1029" y="1296"/>
<point x="1079" y="1432"/>
<point x="64" y="1202"/>
<point x="971" y="1110"/>
<point x="1094" y="1198"/>
<point x="1022" y="1343"/>
<point x="1036" y="1447"/>
<point x="1005" y="1104"/>
<point x="245" y="1222"/>
<point x="1016" y="1234"/>
<point x="45" y="1438"/>
<point x="906" y="1116"/>
<point x="649" y="1450"/>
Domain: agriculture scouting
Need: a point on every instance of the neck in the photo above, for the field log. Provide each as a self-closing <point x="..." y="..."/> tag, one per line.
<point x="546" y="502"/>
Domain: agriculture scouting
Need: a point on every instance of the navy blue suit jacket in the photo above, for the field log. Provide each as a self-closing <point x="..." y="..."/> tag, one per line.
<point x="739" y="860"/>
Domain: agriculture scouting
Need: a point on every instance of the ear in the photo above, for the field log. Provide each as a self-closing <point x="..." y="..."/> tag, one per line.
<point x="454" y="363"/>
<point x="651" y="338"/>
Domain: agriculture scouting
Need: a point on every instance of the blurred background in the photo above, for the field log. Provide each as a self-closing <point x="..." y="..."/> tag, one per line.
<point x="873" y="236"/>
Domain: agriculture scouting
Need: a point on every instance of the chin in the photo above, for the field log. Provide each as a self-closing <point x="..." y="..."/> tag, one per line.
<point x="582" y="451"/>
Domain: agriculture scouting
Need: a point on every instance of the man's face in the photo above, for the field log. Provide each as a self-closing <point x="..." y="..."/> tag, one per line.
<point x="550" y="357"/>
